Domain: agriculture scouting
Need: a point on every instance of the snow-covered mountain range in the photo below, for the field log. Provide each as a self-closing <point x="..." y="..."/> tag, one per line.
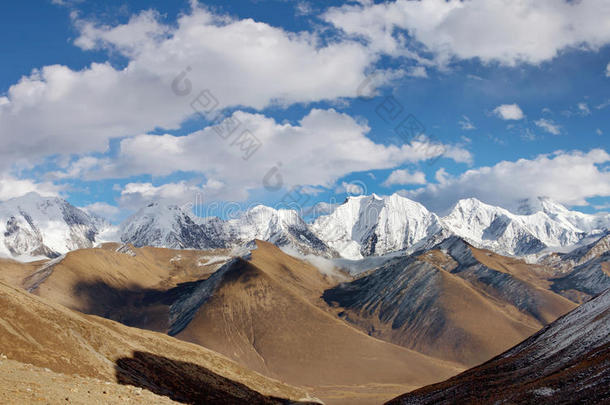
<point x="372" y="225"/>
<point x="361" y="227"/>
<point x="36" y="227"/>
<point x="169" y="226"/>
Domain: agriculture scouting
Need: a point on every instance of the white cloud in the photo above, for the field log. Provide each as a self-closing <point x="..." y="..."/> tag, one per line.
<point x="608" y="70"/>
<point x="502" y="31"/>
<point x="603" y="105"/>
<point x="352" y="188"/>
<point x="57" y="110"/>
<point x="323" y="208"/>
<point x="509" y="112"/>
<point x="599" y="132"/>
<point x="325" y="146"/>
<point x="104" y="210"/>
<point x="12" y="187"/>
<point x="466" y="124"/>
<point x="441" y="175"/>
<point x="583" y="109"/>
<point x="243" y="62"/>
<point x="568" y="177"/>
<point x="404" y="177"/>
<point x="76" y="168"/>
<point x="417" y="71"/>
<point x="548" y="125"/>
<point x="599" y="207"/>
<point x="135" y="195"/>
<point x="304" y="8"/>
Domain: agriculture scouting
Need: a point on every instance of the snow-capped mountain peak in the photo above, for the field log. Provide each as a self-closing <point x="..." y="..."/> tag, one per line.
<point x="34" y="226"/>
<point x="372" y="225"/>
<point x="169" y="226"/>
<point x="362" y="226"/>
<point x="541" y="224"/>
<point x="164" y="225"/>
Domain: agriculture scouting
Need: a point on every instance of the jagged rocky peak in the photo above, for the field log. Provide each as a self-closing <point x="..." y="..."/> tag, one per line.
<point x="282" y="227"/>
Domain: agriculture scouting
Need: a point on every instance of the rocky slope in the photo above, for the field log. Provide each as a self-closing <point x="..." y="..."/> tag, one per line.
<point x="582" y="273"/>
<point x="566" y="362"/>
<point x="265" y="313"/>
<point x="445" y="302"/>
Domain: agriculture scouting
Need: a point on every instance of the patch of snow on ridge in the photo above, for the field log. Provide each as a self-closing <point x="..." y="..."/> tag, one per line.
<point x="544" y="391"/>
<point x="209" y="260"/>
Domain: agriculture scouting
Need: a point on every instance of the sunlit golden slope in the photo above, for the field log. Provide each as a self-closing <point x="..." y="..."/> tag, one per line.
<point x="263" y="314"/>
<point x="45" y="334"/>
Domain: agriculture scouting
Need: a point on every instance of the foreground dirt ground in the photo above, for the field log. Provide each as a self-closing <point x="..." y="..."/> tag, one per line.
<point x="22" y="383"/>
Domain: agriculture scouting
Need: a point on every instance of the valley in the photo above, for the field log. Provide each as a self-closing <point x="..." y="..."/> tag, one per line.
<point x="355" y="331"/>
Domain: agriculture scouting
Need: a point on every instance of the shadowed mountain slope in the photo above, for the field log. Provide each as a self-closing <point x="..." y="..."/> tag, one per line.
<point x="566" y="362"/>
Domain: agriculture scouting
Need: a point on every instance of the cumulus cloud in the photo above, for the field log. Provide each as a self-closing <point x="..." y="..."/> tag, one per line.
<point x="548" y="125"/>
<point x="567" y="177"/>
<point x="75" y="169"/>
<point x="509" y="112"/>
<point x="135" y="195"/>
<point x="404" y="177"/>
<point x="508" y="32"/>
<point x="58" y="110"/>
<point x="12" y="187"/>
<point x="352" y="188"/>
<point x="324" y="146"/>
<point x="104" y="210"/>
<point x="608" y="70"/>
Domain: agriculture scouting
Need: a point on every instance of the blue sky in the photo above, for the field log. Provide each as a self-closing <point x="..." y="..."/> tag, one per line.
<point x="510" y="101"/>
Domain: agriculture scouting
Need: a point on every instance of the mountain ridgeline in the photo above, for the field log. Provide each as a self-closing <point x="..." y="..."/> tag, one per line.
<point x="361" y="227"/>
